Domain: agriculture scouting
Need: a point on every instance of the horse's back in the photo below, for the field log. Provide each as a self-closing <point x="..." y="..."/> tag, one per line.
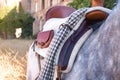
<point x="99" y="57"/>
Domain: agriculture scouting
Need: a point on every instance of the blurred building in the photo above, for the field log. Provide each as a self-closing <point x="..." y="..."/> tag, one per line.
<point x="37" y="8"/>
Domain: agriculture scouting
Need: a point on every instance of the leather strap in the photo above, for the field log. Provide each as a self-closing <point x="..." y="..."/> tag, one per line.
<point x="39" y="64"/>
<point x="58" y="72"/>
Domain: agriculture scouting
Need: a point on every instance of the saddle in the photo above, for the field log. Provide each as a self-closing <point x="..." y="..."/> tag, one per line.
<point x="44" y="38"/>
<point x="93" y="19"/>
<point x="53" y="18"/>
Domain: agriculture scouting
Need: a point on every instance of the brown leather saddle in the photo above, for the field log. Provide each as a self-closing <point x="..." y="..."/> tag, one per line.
<point x="93" y="20"/>
<point x="62" y="12"/>
<point x="44" y="38"/>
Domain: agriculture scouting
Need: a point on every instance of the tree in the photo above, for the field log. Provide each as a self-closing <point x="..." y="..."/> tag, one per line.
<point x="10" y="20"/>
<point x="86" y="3"/>
<point x="110" y="3"/>
<point x="79" y="4"/>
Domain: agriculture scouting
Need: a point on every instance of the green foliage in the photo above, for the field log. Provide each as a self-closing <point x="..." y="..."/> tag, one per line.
<point x="2" y="14"/>
<point x="27" y="27"/>
<point x="10" y="20"/>
<point x="109" y="3"/>
<point x="80" y="4"/>
<point x="86" y="3"/>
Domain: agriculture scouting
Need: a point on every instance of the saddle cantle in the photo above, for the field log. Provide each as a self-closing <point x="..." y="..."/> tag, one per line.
<point x="58" y="12"/>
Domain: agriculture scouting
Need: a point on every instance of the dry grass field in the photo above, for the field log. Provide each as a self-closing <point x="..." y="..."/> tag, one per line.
<point x="13" y="59"/>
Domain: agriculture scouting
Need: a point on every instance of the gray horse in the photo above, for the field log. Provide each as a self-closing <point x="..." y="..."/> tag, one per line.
<point x="99" y="57"/>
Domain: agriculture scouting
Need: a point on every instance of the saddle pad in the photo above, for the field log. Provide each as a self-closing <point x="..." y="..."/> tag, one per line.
<point x="69" y="45"/>
<point x="73" y="44"/>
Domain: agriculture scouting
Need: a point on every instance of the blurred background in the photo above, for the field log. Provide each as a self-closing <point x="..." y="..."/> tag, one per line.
<point x="20" y="21"/>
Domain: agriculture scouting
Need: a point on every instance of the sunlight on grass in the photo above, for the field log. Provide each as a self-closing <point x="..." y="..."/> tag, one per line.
<point x="12" y="67"/>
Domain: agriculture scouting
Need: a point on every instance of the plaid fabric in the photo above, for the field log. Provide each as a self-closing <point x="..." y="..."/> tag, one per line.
<point x="47" y="71"/>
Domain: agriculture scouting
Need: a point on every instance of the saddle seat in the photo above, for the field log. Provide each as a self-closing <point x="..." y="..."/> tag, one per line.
<point x="58" y="12"/>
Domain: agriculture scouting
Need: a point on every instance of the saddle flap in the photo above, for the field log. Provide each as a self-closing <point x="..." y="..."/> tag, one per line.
<point x="44" y="38"/>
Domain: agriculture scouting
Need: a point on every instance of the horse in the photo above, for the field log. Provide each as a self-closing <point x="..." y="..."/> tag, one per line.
<point x="98" y="58"/>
